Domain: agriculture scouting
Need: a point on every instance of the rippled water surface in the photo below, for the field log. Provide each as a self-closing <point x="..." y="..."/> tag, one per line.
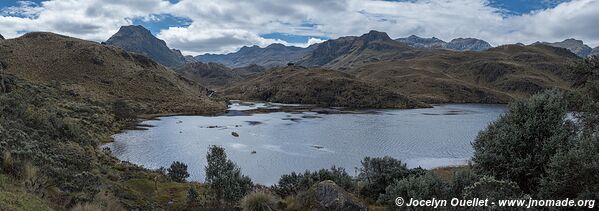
<point x="295" y="141"/>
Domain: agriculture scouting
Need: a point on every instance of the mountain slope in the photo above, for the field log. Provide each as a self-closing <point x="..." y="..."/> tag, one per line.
<point x="271" y="56"/>
<point x="419" y="42"/>
<point x="101" y="72"/>
<point x="575" y="46"/>
<point x="467" y="44"/>
<point x="347" y="52"/>
<point x="211" y="75"/>
<point x="595" y="51"/>
<point x="140" y="40"/>
<point x="317" y="86"/>
<point x="493" y="76"/>
<point x="459" y="44"/>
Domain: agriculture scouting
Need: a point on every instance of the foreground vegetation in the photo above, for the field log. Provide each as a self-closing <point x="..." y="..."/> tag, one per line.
<point x="49" y="142"/>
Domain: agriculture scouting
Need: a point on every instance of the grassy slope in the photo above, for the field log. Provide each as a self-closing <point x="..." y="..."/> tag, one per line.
<point x="56" y="110"/>
<point x="100" y="72"/>
<point x="317" y="86"/>
<point x="493" y="76"/>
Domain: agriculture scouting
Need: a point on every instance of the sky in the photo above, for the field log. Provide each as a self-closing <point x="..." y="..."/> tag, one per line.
<point x="222" y="26"/>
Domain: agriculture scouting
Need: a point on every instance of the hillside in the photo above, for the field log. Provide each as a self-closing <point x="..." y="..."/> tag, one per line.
<point x="493" y="76"/>
<point x="575" y="46"/>
<point x="140" y="40"/>
<point x="212" y="75"/>
<point x="317" y="86"/>
<point x="100" y="72"/>
<point x="274" y="55"/>
<point x="348" y="52"/>
<point x="458" y="44"/>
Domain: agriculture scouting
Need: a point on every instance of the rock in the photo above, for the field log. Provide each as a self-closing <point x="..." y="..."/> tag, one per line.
<point x="575" y="46"/>
<point x="330" y="196"/>
<point x="468" y="44"/>
<point x="235" y="134"/>
<point x="1" y="37"/>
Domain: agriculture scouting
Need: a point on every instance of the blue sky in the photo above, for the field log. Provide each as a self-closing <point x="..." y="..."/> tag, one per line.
<point x="221" y="26"/>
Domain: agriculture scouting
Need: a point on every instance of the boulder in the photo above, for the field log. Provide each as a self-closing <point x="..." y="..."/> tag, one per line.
<point x="329" y="196"/>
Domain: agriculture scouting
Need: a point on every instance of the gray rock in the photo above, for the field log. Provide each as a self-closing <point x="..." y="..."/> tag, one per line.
<point x="1" y="37"/>
<point x="575" y="46"/>
<point x="140" y="40"/>
<point x="595" y="51"/>
<point x="419" y="42"/>
<point x="468" y="44"/>
<point x="330" y="196"/>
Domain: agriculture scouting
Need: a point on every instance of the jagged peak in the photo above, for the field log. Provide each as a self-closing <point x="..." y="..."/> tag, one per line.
<point x="375" y="35"/>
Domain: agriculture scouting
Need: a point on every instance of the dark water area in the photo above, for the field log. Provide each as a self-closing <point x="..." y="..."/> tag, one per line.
<point x="268" y="145"/>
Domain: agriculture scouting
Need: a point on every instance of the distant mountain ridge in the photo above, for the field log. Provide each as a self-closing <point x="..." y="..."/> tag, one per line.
<point x="575" y="46"/>
<point x="346" y="52"/>
<point x="140" y="40"/>
<point x="270" y="56"/>
<point x="458" y="44"/>
<point x="595" y="51"/>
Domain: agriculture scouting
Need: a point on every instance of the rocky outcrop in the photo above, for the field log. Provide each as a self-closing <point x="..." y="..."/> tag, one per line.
<point x="595" y="51"/>
<point x="459" y="44"/>
<point x="274" y="55"/>
<point x="575" y="46"/>
<point x="329" y="196"/>
<point x="419" y="42"/>
<point x="1" y="37"/>
<point x="467" y="44"/>
<point x="211" y="75"/>
<point x="138" y="39"/>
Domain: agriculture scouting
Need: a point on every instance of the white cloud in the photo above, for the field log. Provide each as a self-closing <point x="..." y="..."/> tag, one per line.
<point x="225" y="25"/>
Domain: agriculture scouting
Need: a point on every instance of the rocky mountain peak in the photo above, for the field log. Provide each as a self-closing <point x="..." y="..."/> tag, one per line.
<point x="575" y="46"/>
<point x="140" y="40"/>
<point x="375" y="35"/>
<point x="468" y="44"/>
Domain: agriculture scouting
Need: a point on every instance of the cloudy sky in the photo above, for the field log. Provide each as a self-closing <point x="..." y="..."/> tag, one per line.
<point x="220" y="26"/>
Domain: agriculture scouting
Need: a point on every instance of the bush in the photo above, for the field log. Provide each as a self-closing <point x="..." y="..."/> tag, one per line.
<point x="423" y="187"/>
<point x="178" y="172"/>
<point x="378" y="173"/>
<point x="224" y="177"/>
<point x="122" y="111"/>
<point x="260" y="200"/>
<point x="490" y="188"/>
<point x="460" y="180"/>
<point x="192" y="202"/>
<point x="573" y="174"/>
<point x="519" y="145"/>
<point x="291" y="184"/>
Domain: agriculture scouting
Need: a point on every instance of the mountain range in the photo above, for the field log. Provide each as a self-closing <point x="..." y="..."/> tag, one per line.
<point x="140" y="40"/>
<point x="102" y="73"/>
<point x="458" y="44"/>
<point x="270" y="56"/>
<point x="576" y="46"/>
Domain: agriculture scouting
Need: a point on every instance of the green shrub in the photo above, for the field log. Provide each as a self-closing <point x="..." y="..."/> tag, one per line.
<point x="224" y="177"/>
<point x="378" y="173"/>
<point x="291" y="184"/>
<point x="260" y="200"/>
<point x="178" y="171"/>
<point x="423" y="187"/>
<point x="519" y="145"/>
<point x="573" y="174"/>
<point x="460" y="180"/>
<point x="490" y="188"/>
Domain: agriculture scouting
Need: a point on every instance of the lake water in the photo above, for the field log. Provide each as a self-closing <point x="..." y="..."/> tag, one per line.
<point x="296" y="141"/>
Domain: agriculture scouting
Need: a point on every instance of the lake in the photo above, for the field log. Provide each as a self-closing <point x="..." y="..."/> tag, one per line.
<point x="275" y="143"/>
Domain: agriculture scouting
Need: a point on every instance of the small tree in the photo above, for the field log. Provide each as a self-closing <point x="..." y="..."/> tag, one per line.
<point x="178" y="172"/>
<point x="225" y="178"/>
<point x="427" y="186"/>
<point x="378" y="173"/>
<point x="519" y="145"/>
<point x="192" y="198"/>
<point x="122" y="110"/>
